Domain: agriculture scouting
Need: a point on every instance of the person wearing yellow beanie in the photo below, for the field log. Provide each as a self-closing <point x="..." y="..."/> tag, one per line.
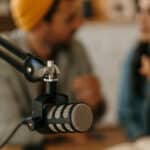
<point x="46" y="28"/>
<point x="48" y="22"/>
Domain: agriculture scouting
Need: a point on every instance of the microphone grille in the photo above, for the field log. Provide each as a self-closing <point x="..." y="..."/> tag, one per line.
<point x="82" y="117"/>
<point x="70" y="118"/>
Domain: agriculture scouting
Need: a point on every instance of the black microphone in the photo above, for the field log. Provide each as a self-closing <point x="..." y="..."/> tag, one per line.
<point x="60" y="117"/>
<point x="70" y="118"/>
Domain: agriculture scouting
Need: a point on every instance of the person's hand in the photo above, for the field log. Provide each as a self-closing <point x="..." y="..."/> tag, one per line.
<point x="145" y="66"/>
<point x="87" y="89"/>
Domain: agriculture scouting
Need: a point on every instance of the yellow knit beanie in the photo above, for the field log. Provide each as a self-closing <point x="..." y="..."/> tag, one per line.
<point x="28" y="13"/>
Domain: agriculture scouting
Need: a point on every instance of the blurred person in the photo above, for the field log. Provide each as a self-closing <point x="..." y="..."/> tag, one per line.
<point x="45" y="29"/>
<point x="134" y="97"/>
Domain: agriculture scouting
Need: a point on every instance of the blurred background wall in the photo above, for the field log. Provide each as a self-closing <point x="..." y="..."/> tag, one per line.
<point x="107" y="46"/>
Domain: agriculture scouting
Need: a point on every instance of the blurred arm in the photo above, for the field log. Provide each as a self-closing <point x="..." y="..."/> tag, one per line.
<point x="130" y="104"/>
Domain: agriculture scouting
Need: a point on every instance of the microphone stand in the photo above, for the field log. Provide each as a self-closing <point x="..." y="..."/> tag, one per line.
<point x="25" y="63"/>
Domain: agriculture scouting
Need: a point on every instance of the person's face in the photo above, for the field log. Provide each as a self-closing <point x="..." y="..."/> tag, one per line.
<point x="144" y="19"/>
<point x="65" y="22"/>
<point x="145" y="66"/>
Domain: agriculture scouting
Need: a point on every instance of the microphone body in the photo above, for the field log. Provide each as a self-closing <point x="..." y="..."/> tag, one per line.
<point x="70" y="118"/>
<point x="57" y="115"/>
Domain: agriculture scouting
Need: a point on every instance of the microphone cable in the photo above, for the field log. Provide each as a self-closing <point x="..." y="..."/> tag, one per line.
<point x="12" y="133"/>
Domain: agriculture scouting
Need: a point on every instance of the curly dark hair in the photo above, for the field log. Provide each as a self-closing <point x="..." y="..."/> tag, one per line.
<point x="137" y="79"/>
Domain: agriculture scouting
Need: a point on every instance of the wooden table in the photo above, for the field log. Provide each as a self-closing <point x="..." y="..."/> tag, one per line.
<point x="110" y="137"/>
